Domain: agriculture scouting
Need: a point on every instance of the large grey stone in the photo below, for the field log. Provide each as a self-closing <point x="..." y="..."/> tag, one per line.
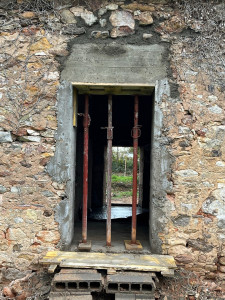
<point x="215" y="205"/>
<point x="181" y="220"/>
<point x="215" y="109"/>
<point x="5" y="137"/>
<point x="47" y="193"/>
<point x="12" y="274"/>
<point x="200" y="245"/>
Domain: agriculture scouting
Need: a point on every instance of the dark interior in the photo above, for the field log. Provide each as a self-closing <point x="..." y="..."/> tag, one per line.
<point x="123" y="119"/>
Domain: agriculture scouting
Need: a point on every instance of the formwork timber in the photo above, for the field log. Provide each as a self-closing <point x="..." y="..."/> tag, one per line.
<point x="164" y="264"/>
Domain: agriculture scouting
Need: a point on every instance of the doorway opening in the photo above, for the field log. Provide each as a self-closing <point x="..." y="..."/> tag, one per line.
<point x="121" y="200"/>
<point x="122" y="176"/>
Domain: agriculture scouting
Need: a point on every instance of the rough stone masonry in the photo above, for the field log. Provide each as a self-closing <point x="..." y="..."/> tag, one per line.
<point x="37" y="38"/>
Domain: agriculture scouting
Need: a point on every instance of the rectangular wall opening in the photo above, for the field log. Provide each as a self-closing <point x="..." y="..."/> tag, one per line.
<point x="121" y="213"/>
<point x="122" y="176"/>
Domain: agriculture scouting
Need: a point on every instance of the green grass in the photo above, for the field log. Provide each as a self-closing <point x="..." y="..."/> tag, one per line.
<point x="120" y="194"/>
<point x="123" y="179"/>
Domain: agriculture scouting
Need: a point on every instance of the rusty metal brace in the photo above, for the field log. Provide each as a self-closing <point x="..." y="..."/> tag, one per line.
<point x="86" y="123"/>
<point x="109" y="132"/>
<point x="83" y="115"/>
<point x="109" y="170"/>
<point x="136" y="131"/>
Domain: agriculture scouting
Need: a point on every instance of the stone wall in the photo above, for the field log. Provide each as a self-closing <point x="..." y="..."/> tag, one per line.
<point x="35" y="45"/>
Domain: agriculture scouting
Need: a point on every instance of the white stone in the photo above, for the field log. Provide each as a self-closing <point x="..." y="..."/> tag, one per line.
<point x="112" y="7"/>
<point x="18" y="220"/>
<point x="58" y="186"/>
<point x="183" y="129"/>
<point x="0" y="95"/>
<point x="186" y="173"/>
<point x="193" y="87"/>
<point x="32" y="132"/>
<point x="77" y="11"/>
<point x="5" y="137"/>
<point x="175" y="242"/>
<point x="220" y="163"/>
<point x="14" y="189"/>
<point x="30" y="138"/>
<point x="2" y="189"/>
<point x="5" y="257"/>
<point x="48" y="133"/>
<point x="41" y="53"/>
<point x="208" y="184"/>
<point x="221" y="185"/>
<point x="147" y="36"/>
<point x="102" y="22"/>
<point x="137" y="13"/>
<point x="51" y="76"/>
<point x="3" y="80"/>
<point x="88" y="17"/>
<point x="215" y="205"/>
<point x="191" y="73"/>
<point x="215" y="109"/>
<point x="122" y="18"/>
<point x="199" y="96"/>
<point x="220" y="194"/>
<point x="187" y="206"/>
<point x="212" y="98"/>
<point x="102" y="11"/>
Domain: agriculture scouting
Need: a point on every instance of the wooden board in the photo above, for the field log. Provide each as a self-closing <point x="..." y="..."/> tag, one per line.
<point x="122" y="261"/>
<point x="113" y="88"/>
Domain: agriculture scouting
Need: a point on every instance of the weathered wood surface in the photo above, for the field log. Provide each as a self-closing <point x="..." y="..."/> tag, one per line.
<point x="113" y="88"/>
<point x="121" y="261"/>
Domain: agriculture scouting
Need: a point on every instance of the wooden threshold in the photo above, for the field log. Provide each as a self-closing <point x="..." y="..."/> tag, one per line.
<point x="122" y="261"/>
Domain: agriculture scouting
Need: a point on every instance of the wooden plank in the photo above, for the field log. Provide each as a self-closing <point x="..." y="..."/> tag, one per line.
<point x="51" y="268"/>
<point x="168" y="273"/>
<point x="121" y="261"/>
<point x="75" y="106"/>
<point x="113" y="88"/>
<point x="112" y="84"/>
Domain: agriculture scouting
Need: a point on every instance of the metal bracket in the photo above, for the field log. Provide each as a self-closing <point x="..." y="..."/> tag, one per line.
<point x="89" y="118"/>
<point x="136" y="132"/>
<point x="109" y="132"/>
